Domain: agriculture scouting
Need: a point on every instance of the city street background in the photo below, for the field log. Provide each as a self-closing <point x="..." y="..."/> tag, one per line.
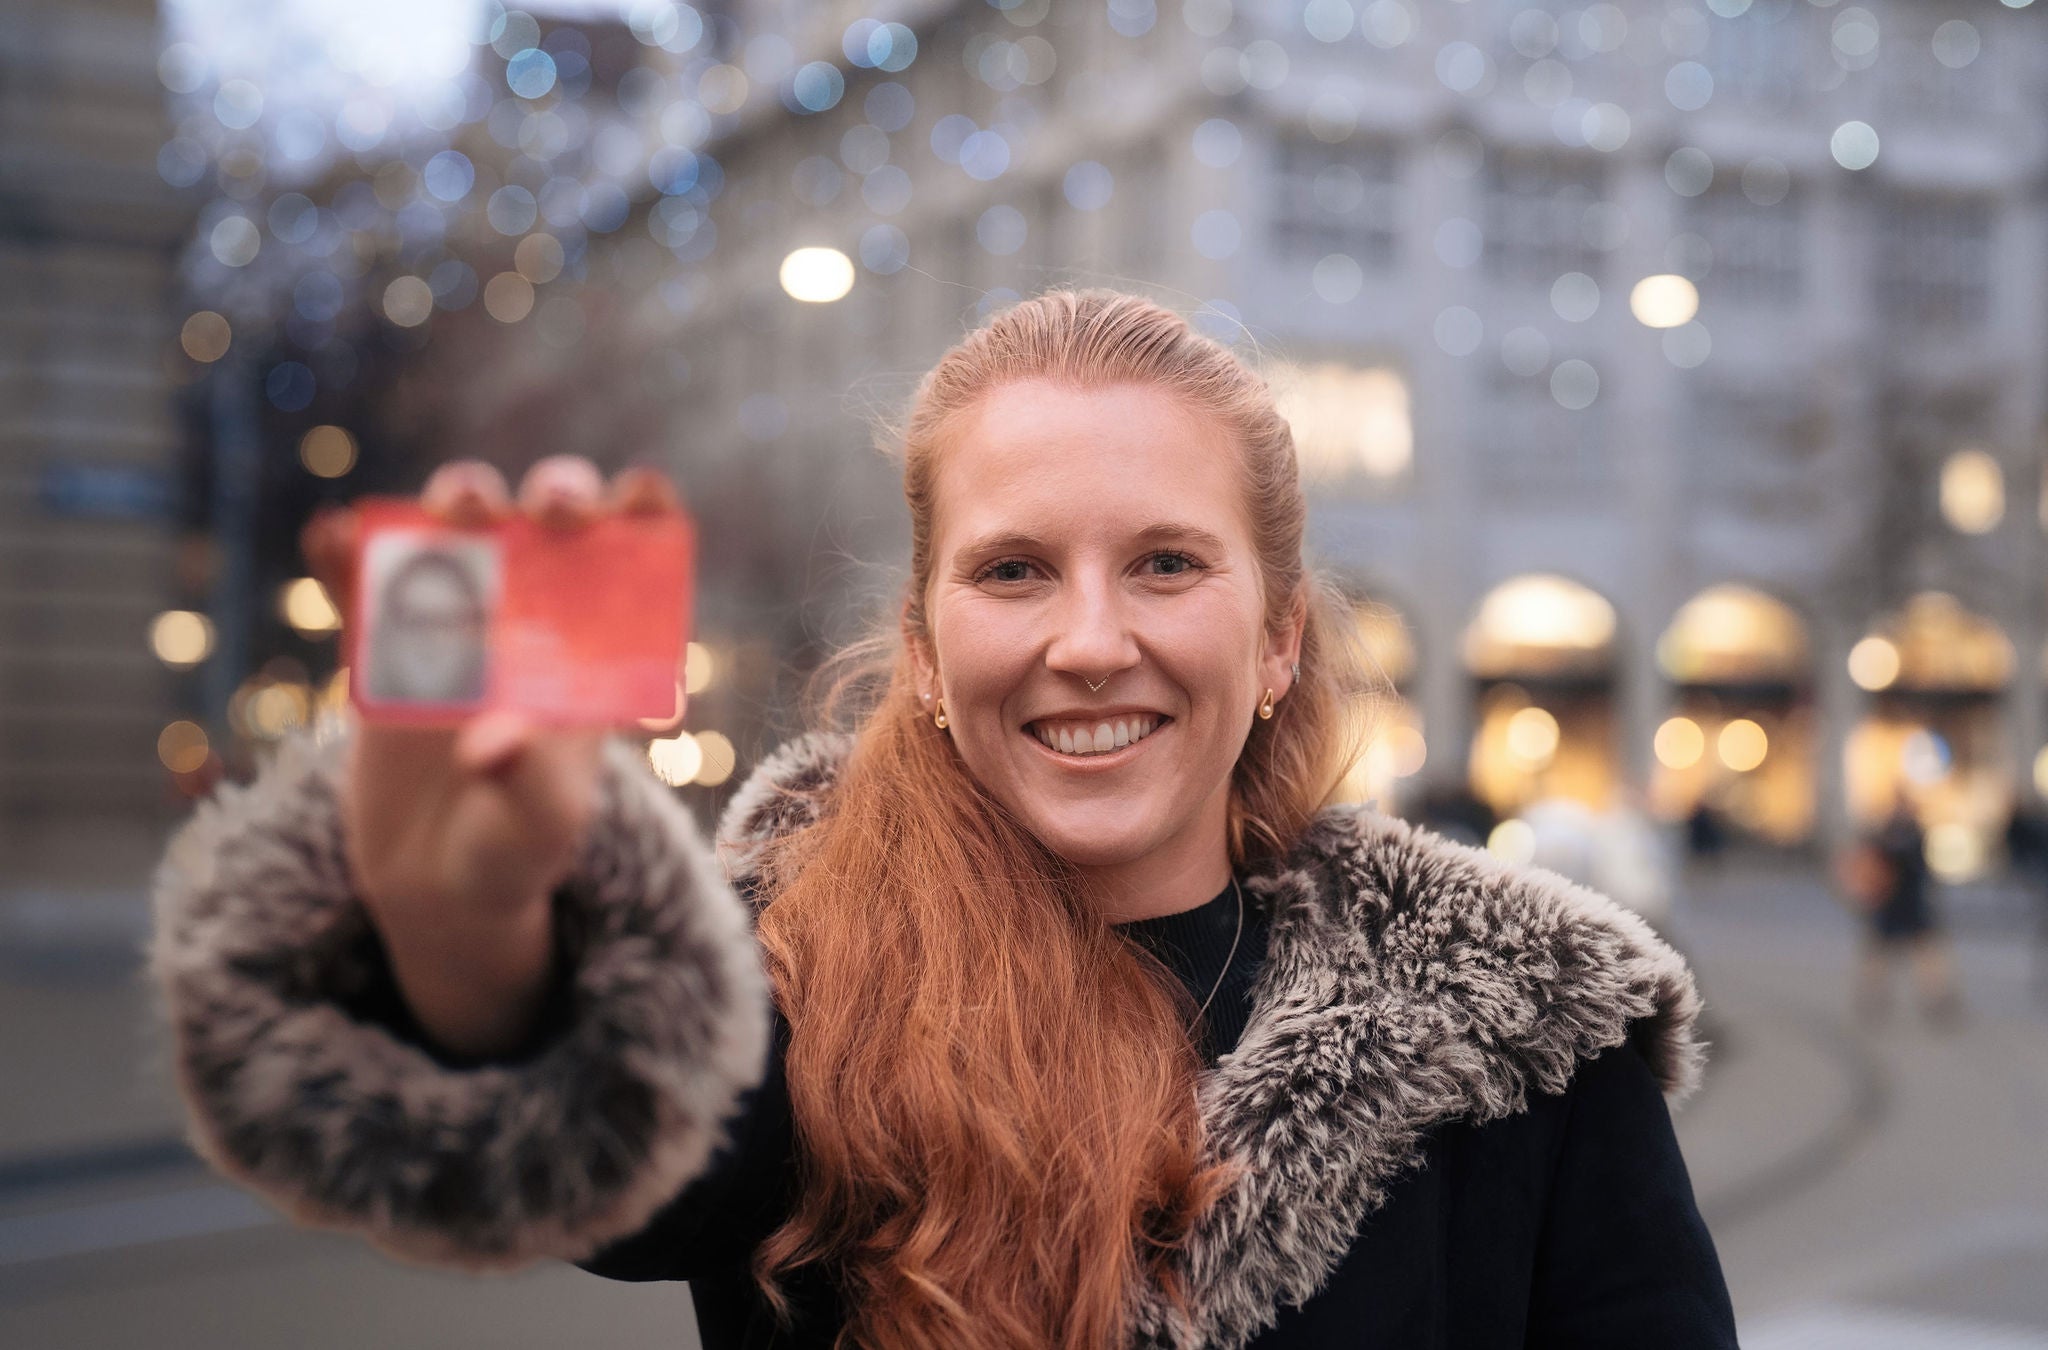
<point x="1667" y="376"/>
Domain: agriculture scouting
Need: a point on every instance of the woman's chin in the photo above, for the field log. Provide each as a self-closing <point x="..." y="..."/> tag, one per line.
<point x="1095" y="840"/>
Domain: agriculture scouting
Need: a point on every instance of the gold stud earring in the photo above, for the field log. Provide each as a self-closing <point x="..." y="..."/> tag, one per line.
<point x="939" y="717"/>
<point x="1266" y="706"/>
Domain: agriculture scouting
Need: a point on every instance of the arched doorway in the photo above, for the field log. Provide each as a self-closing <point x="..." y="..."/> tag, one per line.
<point x="1932" y="736"/>
<point x="1740" y="735"/>
<point x="1540" y="651"/>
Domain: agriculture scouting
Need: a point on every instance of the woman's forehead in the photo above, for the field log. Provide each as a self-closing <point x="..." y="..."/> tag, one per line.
<point x="1036" y="457"/>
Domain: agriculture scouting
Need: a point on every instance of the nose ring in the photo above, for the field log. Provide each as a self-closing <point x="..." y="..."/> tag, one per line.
<point x="1093" y="687"/>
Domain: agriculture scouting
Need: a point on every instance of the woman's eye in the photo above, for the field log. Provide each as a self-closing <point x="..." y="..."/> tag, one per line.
<point x="1009" y="569"/>
<point x="1173" y="564"/>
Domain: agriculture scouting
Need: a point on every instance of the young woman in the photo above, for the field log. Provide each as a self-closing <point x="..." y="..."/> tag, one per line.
<point x="1050" y="1007"/>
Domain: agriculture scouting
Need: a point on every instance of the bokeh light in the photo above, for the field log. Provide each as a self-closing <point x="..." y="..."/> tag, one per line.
<point x="304" y="604"/>
<point x="205" y="336"/>
<point x="182" y="747"/>
<point x="676" y="759"/>
<point x="327" y="451"/>
<point x="1666" y="300"/>
<point x="1679" y="743"/>
<point x="181" y="638"/>
<point x="1874" y="663"/>
<point x="816" y="275"/>
<point x="1972" y="491"/>
<point x="1742" y="744"/>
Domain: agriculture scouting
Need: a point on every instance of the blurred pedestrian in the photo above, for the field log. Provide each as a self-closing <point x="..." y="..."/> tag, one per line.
<point x="2026" y="844"/>
<point x="1885" y="875"/>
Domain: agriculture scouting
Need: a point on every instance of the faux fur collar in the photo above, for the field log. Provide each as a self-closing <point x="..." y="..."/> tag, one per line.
<point x="1409" y="981"/>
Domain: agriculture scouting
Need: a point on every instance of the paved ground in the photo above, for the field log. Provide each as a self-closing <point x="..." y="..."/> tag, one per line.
<point x="1871" y="1188"/>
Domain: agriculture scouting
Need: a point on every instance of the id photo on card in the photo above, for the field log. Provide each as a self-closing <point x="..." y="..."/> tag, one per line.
<point x="431" y="598"/>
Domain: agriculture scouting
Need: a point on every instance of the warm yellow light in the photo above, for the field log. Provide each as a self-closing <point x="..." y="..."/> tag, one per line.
<point x="1742" y="745"/>
<point x="276" y="708"/>
<point x="1346" y="420"/>
<point x="1532" y="735"/>
<point x="1680" y="743"/>
<point x="327" y="451"/>
<point x="1513" y="841"/>
<point x="508" y="297"/>
<point x="676" y="759"/>
<point x="1543" y="610"/>
<point x="538" y="258"/>
<point x="1955" y="852"/>
<point x="1666" y="300"/>
<point x="181" y="637"/>
<point x="335" y="693"/>
<point x="1731" y="634"/>
<point x="182" y="746"/>
<point x="1407" y="752"/>
<point x="817" y="275"/>
<point x="1874" y="663"/>
<point x="2041" y="771"/>
<point x="699" y="668"/>
<point x="205" y="336"/>
<point x="1972" y="491"/>
<point x="305" y="606"/>
<point x="719" y="758"/>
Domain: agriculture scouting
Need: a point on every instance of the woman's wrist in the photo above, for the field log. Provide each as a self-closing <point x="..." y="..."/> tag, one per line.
<point x="476" y="982"/>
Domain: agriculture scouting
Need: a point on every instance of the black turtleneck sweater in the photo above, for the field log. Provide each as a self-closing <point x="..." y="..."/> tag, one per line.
<point x="1194" y="945"/>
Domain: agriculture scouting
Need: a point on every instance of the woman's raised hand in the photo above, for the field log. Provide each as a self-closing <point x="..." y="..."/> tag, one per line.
<point x="456" y="837"/>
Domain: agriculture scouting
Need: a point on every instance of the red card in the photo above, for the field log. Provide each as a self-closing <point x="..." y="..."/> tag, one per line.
<point x="579" y="625"/>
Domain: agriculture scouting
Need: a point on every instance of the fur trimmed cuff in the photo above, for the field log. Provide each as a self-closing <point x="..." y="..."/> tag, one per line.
<point x="344" y="1124"/>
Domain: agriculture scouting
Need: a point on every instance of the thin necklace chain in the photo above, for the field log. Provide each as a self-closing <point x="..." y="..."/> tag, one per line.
<point x="1225" y="972"/>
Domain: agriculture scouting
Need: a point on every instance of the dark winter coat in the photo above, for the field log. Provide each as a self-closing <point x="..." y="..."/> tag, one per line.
<point x="1450" y="1094"/>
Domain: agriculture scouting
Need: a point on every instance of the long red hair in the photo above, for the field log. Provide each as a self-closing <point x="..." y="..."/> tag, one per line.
<point x="994" y="1092"/>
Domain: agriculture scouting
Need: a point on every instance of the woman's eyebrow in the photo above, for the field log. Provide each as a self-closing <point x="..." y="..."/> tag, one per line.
<point x="1158" y="532"/>
<point x="1000" y="542"/>
<point x="1173" y="531"/>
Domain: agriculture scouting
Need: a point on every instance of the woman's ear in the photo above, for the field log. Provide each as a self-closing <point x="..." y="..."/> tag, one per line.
<point x="1283" y="649"/>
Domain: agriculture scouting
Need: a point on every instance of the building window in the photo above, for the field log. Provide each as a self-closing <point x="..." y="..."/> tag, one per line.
<point x="1537" y="204"/>
<point x="1752" y="451"/>
<point x="1755" y="250"/>
<point x="1341" y="198"/>
<point x="1759" y="57"/>
<point x="1933" y="263"/>
<point x="1531" y="445"/>
<point x="1351" y="424"/>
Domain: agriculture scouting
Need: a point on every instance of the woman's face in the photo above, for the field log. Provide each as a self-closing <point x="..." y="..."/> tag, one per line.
<point x="1097" y="622"/>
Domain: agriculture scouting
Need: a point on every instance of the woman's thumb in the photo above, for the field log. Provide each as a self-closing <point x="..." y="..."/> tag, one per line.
<point x="490" y="742"/>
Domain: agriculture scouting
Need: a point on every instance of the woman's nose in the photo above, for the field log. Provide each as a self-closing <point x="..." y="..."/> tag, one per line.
<point x="1091" y="633"/>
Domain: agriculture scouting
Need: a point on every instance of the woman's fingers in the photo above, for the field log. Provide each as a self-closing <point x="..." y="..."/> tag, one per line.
<point x="562" y="491"/>
<point x="643" y="490"/>
<point x="466" y="492"/>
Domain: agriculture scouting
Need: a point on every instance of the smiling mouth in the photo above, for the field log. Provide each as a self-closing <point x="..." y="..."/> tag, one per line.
<point x="1103" y="736"/>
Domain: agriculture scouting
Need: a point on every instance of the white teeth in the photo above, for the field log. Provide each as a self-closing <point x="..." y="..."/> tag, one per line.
<point x="1106" y="736"/>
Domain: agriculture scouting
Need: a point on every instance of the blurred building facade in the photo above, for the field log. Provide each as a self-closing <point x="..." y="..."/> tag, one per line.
<point x="1667" y="374"/>
<point x="88" y="238"/>
<point x="1606" y="559"/>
